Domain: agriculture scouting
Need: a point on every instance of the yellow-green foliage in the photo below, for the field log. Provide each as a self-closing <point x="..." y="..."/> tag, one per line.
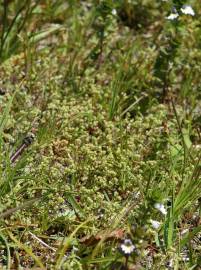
<point x="113" y="100"/>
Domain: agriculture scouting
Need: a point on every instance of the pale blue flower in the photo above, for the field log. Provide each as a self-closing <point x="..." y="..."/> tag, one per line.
<point x="160" y="207"/>
<point x="155" y="224"/>
<point x="127" y="247"/>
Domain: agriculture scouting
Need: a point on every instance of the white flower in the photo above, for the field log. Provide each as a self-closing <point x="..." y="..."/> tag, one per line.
<point x="186" y="9"/>
<point x="114" y="12"/>
<point x="172" y="16"/>
<point x="155" y="224"/>
<point x="161" y="208"/>
<point x="75" y="249"/>
<point x="184" y="231"/>
<point x="170" y="264"/>
<point x="127" y="247"/>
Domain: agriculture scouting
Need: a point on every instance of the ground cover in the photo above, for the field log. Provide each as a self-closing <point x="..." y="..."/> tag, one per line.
<point x="104" y="100"/>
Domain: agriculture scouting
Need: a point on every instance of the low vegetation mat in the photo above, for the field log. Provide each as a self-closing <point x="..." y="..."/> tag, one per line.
<point x="100" y="135"/>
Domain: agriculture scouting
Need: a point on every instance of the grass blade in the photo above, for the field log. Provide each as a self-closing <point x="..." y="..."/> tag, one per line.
<point x="27" y="250"/>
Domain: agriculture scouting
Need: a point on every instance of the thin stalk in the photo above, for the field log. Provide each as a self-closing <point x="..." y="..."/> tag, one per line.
<point x="26" y="204"/>
<point x="183" y="141"/>
<point x="7" y="250"/>
<point x="4" y="26"/>
<point x="12" y="24"/>
<point x="26" y="143"/>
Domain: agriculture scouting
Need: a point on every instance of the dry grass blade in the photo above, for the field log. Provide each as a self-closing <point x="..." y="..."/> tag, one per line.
<point x="11" y="211"/>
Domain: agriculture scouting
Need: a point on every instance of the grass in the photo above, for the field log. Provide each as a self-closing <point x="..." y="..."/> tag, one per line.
<point x="111" y="93"/>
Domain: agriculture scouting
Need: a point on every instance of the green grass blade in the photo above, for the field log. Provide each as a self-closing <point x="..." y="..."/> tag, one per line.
<point x="27" y="250"/>
<point x="7" y="250"/>
<point x="66" y="244"/>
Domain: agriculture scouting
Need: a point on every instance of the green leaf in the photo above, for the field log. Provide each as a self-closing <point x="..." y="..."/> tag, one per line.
<point x="186" y="137"/>
<point x="52" y="29"/>
<point x="75" y="205"/>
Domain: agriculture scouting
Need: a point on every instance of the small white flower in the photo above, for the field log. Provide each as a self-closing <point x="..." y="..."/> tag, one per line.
<point x="155" y="224"/>
<point x="172" y="16"/>
<point x="75" y="249"/>
<point x="184" y="231"/>
<point x="127" y="247"/>
<point x="185" y="258"/>
<point x="170" y="264"/>
<point x="186" y="9"/>
<point x="160" y="207"/>
<point x="114" y="12"/>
